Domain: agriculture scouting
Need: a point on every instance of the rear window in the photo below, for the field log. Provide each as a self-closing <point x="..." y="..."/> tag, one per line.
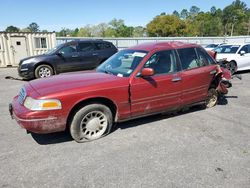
<point x="103" y="46"/>
<point x="227" y="49"/>
<point x="188" y="58"/>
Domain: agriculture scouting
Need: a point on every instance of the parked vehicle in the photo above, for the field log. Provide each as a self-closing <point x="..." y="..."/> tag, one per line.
<point x="67" y="57"/>
<point x="238" y="56"/>
<point x="213" y="46"/>
<point x="139" y="81"/>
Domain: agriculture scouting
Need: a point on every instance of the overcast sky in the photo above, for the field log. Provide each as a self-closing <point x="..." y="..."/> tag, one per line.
<point x="54" y="15"/>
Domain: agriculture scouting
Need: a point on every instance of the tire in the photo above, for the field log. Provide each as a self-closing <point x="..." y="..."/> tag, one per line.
<point x="91" y="122"/>
<point x="212" y="98"/>
<point x="232" y="66"/>
<point x="43" y="71"/>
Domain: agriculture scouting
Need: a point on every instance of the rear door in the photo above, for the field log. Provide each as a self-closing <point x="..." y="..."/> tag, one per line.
<point x="198" y="70"/>
<point x="159" y="92"/>
<point x="88" y="55"/>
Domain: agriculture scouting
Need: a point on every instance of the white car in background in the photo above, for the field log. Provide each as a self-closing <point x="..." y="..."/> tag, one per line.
<point x="238" y="56"/>
<point x="211" y="46"/>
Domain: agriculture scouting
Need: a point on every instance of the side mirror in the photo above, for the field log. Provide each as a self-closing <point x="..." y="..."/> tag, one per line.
<point x="60" y="54"/>
<point x="146" y="72"/>
<point x="242" y="52"/>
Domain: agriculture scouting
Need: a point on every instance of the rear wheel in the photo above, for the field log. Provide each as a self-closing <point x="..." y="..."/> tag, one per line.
<point x="212" y="98"/>
<point x="43" y="71"/>
<point x="91" y="122"/>
<point x="232" y="66"/>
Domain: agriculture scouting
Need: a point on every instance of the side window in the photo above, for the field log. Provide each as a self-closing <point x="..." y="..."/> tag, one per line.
<point x="85" y="47"/>
<point x="68" y="49"/>
<point x="245" y="48"/>
<point x="163" y="62"/>
<point x="103" y="46"/>
<point x="188" y="58"/>
<point x="203" y="58"/>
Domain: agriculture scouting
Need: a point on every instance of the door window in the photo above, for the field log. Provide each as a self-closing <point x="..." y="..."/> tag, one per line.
<point x="163" y="62"/>
<point x="204" y="58"/>
<point x="85" y="47"/>
<point x="188" y="58"/>
<point x="68" y="49"/>
<point x="245" y="48"/>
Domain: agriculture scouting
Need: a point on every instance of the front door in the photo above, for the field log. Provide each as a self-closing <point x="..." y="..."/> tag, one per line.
<point x="19" y="48"/>
<point x="159" y="92"/>
<point x="68" y="58"/>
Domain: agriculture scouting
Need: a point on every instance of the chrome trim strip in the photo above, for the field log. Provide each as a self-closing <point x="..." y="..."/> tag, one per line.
<point x="33" y="120"/>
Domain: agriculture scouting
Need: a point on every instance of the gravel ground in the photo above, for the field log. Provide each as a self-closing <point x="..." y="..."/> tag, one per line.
<point x="198" y="148"/>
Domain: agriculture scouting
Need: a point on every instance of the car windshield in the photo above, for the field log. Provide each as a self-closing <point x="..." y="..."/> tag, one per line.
<point x="53" y="50"/>
<point x="227" y="49"/>
<point x="123" y="63"/>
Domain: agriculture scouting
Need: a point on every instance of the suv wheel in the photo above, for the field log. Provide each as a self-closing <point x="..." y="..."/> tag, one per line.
<point x="43" y="71"/>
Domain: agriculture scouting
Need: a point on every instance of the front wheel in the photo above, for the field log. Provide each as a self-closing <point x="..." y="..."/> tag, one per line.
<point x="212" y="98"/>
<point x="43" y="71"/>
<point x="91" y="122"/>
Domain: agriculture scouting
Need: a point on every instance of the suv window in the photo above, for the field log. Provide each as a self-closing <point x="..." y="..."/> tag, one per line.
<point x="245" y="48"/>
<point x="204" y="58"/>
<point x="68" y="49"/>
<point x="163" y="62"/>
<point x="188" y="58"/>
<point x="103" y="46"/>
<point x="85" y="47"/>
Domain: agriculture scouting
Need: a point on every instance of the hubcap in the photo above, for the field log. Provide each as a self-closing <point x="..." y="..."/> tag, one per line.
<point x="94" y="125"/>
<point x="44" y="72"/>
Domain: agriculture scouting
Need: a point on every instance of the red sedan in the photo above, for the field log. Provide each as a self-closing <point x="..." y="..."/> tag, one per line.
<point x="139" y="81"/>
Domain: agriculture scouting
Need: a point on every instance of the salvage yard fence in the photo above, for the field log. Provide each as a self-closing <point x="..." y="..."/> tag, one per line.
<point x="122" y="43"/>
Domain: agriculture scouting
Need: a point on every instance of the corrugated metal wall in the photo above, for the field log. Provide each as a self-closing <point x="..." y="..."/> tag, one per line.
<point x="121" y="43"/>
<point x="15" y="46"/>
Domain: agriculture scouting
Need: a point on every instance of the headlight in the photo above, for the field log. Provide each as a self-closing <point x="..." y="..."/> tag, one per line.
<point x="49" y="104"/>
<point x="27" y="61"/>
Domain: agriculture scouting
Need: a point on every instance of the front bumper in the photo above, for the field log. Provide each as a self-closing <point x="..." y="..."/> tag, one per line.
<point x="37" y="121"/>
<point x="25" y="72"/>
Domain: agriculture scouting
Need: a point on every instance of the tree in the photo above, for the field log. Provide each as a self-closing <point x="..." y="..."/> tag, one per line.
<point x="233" y="16"/>
<point x="184" y="14"/>
<point x="194" y="10"/>
<point x="213" y="10"/>
<point x="176" y="13"/>
<point x="85" y="31"/>
<point x="12" y="29"/>
<point x="139" y="31"/>
<point x="120" y="28"/>
<point x="33" y="27"/>
<point x="166" y="25"/>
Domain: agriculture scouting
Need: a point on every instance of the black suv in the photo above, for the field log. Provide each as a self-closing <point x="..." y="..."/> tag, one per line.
<point x="70" y="56"/>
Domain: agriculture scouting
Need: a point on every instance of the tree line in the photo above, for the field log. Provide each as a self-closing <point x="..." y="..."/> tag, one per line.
<point x="234" y="19"/>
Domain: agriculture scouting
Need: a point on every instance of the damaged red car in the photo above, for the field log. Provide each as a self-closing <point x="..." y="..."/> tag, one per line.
<point x="139" y="81"/>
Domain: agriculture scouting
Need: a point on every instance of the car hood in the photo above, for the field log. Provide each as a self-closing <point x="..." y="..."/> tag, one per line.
<point x="76" y="82"/>
<point x="35" y="56"/>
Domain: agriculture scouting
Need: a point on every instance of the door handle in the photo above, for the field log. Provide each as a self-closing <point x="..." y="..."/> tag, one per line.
<point x="213" y="72"/>
<point x="74" y="56"/>
<point x="95" y="54"/>
<point x="176" y="79"/>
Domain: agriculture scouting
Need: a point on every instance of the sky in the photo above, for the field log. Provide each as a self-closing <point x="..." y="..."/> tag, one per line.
<point x="53" y="15"/>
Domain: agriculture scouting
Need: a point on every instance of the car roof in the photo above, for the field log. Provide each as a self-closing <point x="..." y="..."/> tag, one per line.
<point x="163" y="45"/>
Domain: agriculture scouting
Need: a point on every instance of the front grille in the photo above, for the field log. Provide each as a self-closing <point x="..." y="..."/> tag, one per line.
<point x="22" y="95"/>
